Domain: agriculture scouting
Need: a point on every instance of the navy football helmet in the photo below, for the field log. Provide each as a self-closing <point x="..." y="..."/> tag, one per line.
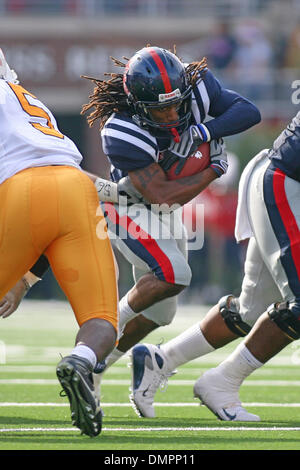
<point x="156" y="78"/>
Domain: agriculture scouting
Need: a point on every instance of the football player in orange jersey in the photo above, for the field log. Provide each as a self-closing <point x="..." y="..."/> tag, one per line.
<point x="50" y="206"/>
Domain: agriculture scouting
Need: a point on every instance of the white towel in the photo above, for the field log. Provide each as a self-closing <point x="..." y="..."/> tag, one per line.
<point x="243" y="228"/>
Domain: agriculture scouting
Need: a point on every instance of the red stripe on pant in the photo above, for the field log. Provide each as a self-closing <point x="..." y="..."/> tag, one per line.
<point x="287" y="216"/>
<point x="145" y="239"/>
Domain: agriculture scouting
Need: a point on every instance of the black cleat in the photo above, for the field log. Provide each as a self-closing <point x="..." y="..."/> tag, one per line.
<point x="75" y="376"/>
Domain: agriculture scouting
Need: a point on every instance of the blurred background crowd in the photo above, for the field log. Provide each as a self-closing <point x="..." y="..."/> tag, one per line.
<point x="252" y="46"/>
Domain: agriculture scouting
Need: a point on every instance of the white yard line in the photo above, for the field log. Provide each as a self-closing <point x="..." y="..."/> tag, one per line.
<point x="123" y="370"/>
<point x="18" y="353"/>
<point x="172" y="382"/>
<point x="160" y="404"/>
<point x="156" y="429"/>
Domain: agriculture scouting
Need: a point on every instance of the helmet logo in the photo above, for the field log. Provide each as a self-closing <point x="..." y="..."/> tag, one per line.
<point x="169" y="96"/>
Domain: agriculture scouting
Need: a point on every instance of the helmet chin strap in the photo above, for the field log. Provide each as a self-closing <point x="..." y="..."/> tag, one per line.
<point x="175" y="134"/>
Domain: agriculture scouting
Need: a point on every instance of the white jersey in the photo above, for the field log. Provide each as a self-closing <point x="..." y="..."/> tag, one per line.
<point x="29" y="136"/>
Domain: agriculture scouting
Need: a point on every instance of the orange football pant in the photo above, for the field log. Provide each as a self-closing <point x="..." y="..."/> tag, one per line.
<point x="55" y="210"/>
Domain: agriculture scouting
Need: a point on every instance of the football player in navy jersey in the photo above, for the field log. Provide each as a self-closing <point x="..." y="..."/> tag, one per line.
<point x="271" y="194"/>
<point x="268" y="215"/>
<point x="157" y="111"/>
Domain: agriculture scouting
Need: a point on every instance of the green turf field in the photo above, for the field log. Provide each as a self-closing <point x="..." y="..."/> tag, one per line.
<point x="34" y="417"/>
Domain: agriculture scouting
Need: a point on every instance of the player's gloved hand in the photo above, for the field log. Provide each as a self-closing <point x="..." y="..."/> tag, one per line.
<point x="189" y="142"/>
<point x="218" y="156"/>
<point x="169" y="159"/>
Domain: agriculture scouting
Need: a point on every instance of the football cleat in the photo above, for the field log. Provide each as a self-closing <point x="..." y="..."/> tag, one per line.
<point x="217" y="394"/>
<point x="7" y="73"/>
<point x="149" y="372"/>
<point x="75" y="376"/>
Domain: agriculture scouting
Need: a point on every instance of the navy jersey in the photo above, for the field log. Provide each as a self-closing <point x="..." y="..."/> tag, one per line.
<point x="129" y="147"/>
<point x="285" y="153"/>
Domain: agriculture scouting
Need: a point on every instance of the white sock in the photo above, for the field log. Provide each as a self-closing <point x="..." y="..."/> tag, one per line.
<point x="110" y="359"/>
<point x="113" y="357"/>
<point x="239" y="365"/>
<point x="126" y="313"/>
<point x="82" y="350"/>
<point x="187" y="346"/>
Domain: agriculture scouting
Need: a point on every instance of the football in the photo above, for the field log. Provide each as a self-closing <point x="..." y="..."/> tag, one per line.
<point x="195" y="163"/>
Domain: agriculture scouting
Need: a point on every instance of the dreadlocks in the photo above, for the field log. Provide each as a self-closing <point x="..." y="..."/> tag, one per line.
<point x="109" y="97"/>
<point x="196" y="71"/>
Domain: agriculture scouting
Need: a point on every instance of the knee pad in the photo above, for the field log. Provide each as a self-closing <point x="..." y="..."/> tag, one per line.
<point x="229" y="309"/>
<point x="162" y="313"/>
<point x="282" y="314"/>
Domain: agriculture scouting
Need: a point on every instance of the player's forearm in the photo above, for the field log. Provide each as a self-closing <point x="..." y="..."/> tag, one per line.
<point x="156" y="188"/>
<point x="92" y="176"/>
<point x="36" y="272"/>
<point x="153" y="184"/>
<point x="185" y="189"/>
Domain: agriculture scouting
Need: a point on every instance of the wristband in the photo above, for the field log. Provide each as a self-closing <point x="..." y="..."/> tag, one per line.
<point x="204" y="132"/>
<point x="217" y="169"/>
<point x="40" y="267"/>
<point x="107" y="190"/>
<point x="29" y="279"/>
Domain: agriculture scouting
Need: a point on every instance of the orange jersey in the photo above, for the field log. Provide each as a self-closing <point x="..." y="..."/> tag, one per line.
<point x="29" y="135"/>
<point x="49" y="206"/>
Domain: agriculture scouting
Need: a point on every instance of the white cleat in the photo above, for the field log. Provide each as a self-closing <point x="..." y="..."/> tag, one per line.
<point x="149" y="372"/>
<point x="6" y="72"/>
<point x="217" y="394"/>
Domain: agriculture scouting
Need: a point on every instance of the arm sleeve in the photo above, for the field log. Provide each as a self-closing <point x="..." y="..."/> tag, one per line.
<point x="40" y="267"/>
<point x="232" y="112"/>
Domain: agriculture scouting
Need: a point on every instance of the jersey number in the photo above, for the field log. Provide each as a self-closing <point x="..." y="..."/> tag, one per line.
<point x="35" y="111"/>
